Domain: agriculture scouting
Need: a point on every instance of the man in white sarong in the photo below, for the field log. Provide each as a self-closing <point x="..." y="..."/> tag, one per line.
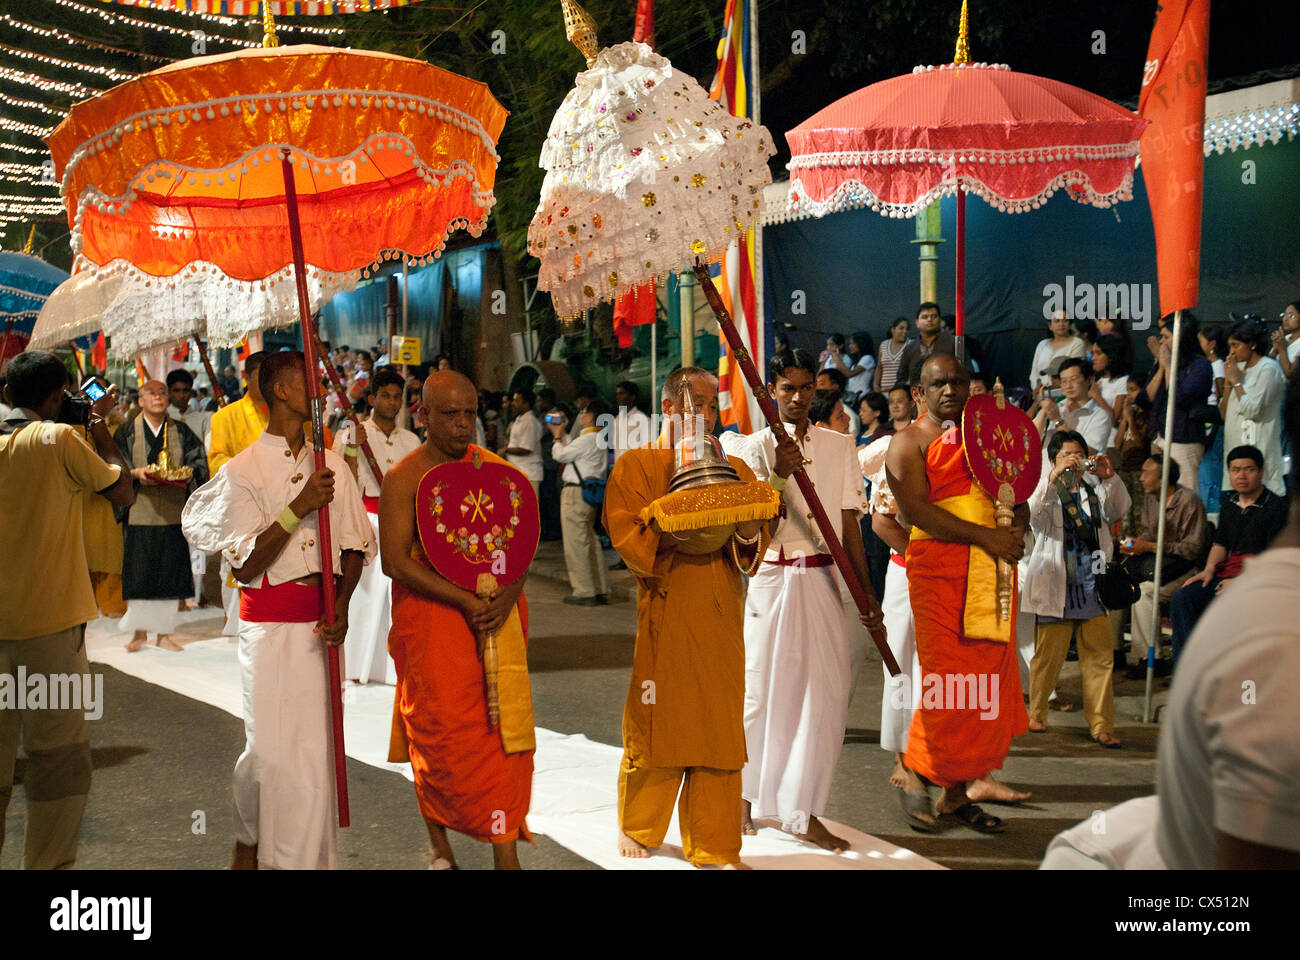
<point x="365" y="653"/>
<point x="798" y="671"/>
<point x="260" y="512"/>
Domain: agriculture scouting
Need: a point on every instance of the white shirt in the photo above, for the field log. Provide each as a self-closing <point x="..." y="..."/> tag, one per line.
<point x="631" y="430"/>
<point x="229" y="512"/>
<point x="1112" y="388"/>
<point x="836" y="476"/>
<point x="1229" y="756"/>
<point x="1293" y="349"/>
<point x="388" y="450"/>
<point x="1090" y="420"/>
<point x="526" y="434"/>
<point x="1217" y="366"/>
<point x="1043" y="578"/>
<point x="1044" y="354"/>
<point x="1256" y="418"/>
<point x="861" y="371"/>
<point x="583" y="451"/>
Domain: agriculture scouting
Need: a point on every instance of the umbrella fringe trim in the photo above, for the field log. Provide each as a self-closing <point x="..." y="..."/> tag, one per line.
<point x="1058" y="154"/>
<point x="854" y="193"/>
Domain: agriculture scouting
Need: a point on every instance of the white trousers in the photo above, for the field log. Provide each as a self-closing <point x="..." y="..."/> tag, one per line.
<point x="797" y="682"/>
<point x="898" y="701"/>
<point x="152" y="616"/>
<point x="370" y="614"/>
<point x="582" y="556"/>
<point x="1140" y="621"/>
<point x="285" y="799"/>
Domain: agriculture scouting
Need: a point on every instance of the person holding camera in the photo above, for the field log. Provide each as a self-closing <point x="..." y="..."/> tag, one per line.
<point x="1254" y="389"/>
<point x="1070" y="514"/>
<point x="585" y="459"/>
<point x="46" y="469"/>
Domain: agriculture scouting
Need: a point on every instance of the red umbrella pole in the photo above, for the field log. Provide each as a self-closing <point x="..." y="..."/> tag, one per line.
<point x="861" y="592"/>
<point x="346" y="405"/>
<point x="217" y="393"/>
<point x="318" y="436"/>
<point x="960" y="314"/>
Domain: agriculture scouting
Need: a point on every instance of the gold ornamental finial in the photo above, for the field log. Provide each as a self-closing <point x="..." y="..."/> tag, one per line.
<point x="31" y="238"/>
<point x="269" y="39"/>
<point x="580" y="28"/>
<point x="963" y="48"/>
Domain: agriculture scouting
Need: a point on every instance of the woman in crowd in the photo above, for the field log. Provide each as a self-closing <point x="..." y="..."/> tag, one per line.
<point x="1252" y="408"/>
<point x="1062" y="343"/>
<point x="1210" y="477"/>
<point x="873" y="410"/>
<point x="1110" y="381"/>
<point x="1119" y="327"/>
<point x="858" y="367"/>
<point x="1134" y="448"/>
<point x="1286" y="338"/>
<point x="891" y="352"/>
<point x="1194" y="382"/>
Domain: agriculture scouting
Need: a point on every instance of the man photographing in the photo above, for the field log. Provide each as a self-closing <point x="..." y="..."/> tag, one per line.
<point x="45" y="469"/>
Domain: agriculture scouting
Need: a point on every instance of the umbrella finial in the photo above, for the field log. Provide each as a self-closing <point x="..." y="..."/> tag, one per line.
<point x="269" y="39"/>
<point x="31" y="238"/>
<point x="580" y="28"/>
<point x="963" y="48"/>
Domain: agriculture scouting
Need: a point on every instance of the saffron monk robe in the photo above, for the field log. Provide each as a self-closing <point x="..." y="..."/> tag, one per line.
<point x="260" y="511"/>
<point x="469" y="777"/>
<point x="951" y="573"/>
<point x="683" y="719"/>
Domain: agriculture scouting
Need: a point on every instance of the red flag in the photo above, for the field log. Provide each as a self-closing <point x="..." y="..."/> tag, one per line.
<point x="645" y="23"/>
<point x="1173" y="159"/>
<point x="99" y="353"/>
<point x="632" y="310"/>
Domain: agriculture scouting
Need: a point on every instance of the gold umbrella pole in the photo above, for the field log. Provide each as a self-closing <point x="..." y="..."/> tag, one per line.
<point x="269" y="39"/>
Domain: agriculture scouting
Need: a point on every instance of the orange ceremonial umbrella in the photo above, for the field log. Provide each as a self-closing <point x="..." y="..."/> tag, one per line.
<point x="246" y="187"/>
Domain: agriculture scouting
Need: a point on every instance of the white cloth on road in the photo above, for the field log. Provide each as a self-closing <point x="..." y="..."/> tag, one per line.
<point x="152" y="616"/>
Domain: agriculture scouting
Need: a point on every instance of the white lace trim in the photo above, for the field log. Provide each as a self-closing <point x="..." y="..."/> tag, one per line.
<point x="853" y="193"/>
<point x="321" y="99"/>
<point x="1057" y="154"/>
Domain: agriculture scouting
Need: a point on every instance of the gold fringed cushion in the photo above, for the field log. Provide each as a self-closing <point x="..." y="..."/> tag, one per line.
<point x="712" y="506"/>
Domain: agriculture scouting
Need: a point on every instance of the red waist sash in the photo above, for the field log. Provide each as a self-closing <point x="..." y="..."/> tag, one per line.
<point x="812" y="560"/>
<point x="284" y="603"/>
<point x="899" y="559"/>
<point x="372" y="504"/>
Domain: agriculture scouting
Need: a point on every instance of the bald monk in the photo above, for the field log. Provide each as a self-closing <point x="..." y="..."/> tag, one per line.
<point x="464" y="777"/>
<point x="951" y="576"/>
<point x="683" y="720"/>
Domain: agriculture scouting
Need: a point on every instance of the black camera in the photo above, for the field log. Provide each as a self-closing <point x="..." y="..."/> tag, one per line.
<point x="74" y="411"/>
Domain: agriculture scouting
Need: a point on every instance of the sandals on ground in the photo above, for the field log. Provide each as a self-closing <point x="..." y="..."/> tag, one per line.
<point x="916" y="802"/>
<point x="975" y="818"/>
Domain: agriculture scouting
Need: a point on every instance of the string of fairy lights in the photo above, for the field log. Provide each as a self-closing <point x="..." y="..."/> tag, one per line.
<point x="94" y="45"/>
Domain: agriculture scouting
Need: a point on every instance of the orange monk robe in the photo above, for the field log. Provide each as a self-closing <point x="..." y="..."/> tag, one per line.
<point x="684" y="714"/>
<point x="954" y="607"/>
<point x="464" y="779"/>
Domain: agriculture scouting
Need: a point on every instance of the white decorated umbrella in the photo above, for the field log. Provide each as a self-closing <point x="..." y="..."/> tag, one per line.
<point x="645" y="176"/>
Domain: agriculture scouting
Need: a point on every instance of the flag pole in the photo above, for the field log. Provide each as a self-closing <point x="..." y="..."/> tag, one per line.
<point x="760" y="319"/>
<point x="1171" y="384"/>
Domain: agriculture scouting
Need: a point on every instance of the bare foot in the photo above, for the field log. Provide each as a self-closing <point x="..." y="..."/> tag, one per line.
<point x="439" y="847"/>
<point x="898" y="777"/>
<point x="1037" y="726"/>
<point x="819" y="835"/>
<point x="952" y="798"/>
<point x="746" y="819"/>
<point x="988" y="790"/>
<point x="738" y="865"/>
<point x="167" y="643"/>
<point x="245" y="857"/>
<point x="628" y="847"/>
<point x="137" y="642"/>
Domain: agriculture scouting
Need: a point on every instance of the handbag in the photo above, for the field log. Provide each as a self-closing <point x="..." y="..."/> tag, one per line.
<point x="1116" y="587"/>
<point x="593" y="489"/>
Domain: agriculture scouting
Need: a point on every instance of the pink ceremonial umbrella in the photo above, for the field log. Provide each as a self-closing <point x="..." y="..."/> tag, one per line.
<point x="1012" y="138"/>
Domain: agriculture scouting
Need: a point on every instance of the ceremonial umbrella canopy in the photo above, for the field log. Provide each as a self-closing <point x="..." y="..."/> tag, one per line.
<point x="1012" y="138"/>
<point x="230" y="188"/>
<point x="281" y="8"/>
<point x="26" y="282"/>
<point x="645" y="176"/>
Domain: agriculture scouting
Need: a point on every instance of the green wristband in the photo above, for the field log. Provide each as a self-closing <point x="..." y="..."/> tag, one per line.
<point x="289" y="520"/>
<point x="777" y="482"/>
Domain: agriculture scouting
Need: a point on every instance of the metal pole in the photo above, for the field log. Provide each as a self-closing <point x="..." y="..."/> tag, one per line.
<point x="654" y="363"/>
<point x="960" y="299"/>
<point x="312" y="374"/>
<point x="1171" y="385"/>
<point x="686" y="295"/>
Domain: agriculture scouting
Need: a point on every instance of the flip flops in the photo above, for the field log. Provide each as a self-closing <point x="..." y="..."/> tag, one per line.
<point x="972" y="816"/>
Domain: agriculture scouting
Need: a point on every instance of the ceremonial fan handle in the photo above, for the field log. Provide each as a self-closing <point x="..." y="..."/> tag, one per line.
<point x="862" y="595"/>
<point x="323" y="530"/>
<point x="1004" y="512"/>
<point x="217" y="393"/>
<point x="487" y="586"/>
<point x="346" y="404"/>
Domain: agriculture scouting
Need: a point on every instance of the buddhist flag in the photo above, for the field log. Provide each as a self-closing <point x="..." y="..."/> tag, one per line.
<point x="734" y="86"/>
<point x="1173" y="158"/>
